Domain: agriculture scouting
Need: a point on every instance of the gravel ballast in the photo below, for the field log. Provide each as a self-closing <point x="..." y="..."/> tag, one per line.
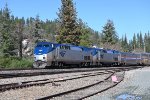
<point x="135" y="86"/>
<point x="36" y="92"/>
<point x="51" y="77"/>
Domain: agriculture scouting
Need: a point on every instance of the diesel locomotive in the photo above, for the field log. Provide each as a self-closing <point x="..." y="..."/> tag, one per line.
<point x="47" y="54"/>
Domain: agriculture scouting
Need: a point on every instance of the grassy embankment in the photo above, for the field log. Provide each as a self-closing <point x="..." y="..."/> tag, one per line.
<point x="15" y="62"/>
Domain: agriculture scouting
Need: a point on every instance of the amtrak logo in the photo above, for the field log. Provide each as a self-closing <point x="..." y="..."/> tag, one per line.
<point x="62" y="53"/>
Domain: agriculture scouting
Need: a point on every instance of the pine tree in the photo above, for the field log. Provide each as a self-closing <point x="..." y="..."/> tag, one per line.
<point x="109" y="33"/>
<point x="84" y="37"/>
<point x="141" y="41"/>
<point x="67" y="24"/>
<point x="1" y="26"/>
<point x="147" y="42"/>
<point x="130" y="46"/>
<point x="138" y="40"/>
<point x="37" y="29"/>
<point x="124" y="44"/>
<point x="7" y="43"/>
<point x="134" y="44"/>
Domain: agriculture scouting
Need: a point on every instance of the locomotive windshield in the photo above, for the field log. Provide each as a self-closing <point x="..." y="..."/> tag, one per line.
<point x="39" y="45"/>
<point x="43" y="48"/>
<point x="44" y="45"/>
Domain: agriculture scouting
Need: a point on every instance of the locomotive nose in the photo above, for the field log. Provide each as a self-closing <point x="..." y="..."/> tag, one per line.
<point x="42" y="57"/>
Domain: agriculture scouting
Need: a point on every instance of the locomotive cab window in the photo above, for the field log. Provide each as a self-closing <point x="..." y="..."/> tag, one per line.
<point x="45" y="45"/>
<point x="39" y="45"/>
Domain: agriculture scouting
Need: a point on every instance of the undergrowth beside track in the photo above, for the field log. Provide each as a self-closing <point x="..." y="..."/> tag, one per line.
<point x="15" y="62"/>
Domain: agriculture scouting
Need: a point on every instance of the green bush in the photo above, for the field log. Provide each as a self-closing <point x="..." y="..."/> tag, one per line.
<point x="15" y="62"/>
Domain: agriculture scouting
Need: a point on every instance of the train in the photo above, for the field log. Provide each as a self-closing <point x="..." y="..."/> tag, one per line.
<point x="48" y="54"/>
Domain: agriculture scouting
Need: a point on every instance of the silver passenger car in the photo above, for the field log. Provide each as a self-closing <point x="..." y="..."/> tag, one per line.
<point x="130" y="58"/>
<point x="145" y="58"/>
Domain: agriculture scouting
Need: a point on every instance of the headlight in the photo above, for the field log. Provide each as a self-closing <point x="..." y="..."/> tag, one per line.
<point x="44" y="56"/>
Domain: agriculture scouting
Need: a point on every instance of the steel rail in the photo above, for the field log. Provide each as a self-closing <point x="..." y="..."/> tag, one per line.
<point x="10" y="86"/>
<point x="74" y="90"/>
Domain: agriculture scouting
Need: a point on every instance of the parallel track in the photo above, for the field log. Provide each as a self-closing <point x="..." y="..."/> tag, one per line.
<point x="81" y="92"/>
<point x="67" y="93"/>
<point x="7" y="87"/>
<point x="10" y="86"/>
<point x="37" y="72"/>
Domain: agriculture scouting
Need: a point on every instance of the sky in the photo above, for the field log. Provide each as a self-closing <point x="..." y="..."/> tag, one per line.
<point x="128" y="16"/>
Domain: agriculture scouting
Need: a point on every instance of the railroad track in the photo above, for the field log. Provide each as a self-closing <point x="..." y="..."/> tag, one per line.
<point x="61" y="82"/>
<point x="85" y="91"/>
<point x="36" y="72"/>
<point x="6" y="87"/>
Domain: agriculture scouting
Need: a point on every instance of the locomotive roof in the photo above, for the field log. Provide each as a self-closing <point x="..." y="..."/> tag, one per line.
<point x="45" y="43"/>
<point x="79" y="47"/>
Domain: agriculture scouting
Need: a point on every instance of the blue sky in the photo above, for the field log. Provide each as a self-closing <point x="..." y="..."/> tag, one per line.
<point x="129" y="16"/>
